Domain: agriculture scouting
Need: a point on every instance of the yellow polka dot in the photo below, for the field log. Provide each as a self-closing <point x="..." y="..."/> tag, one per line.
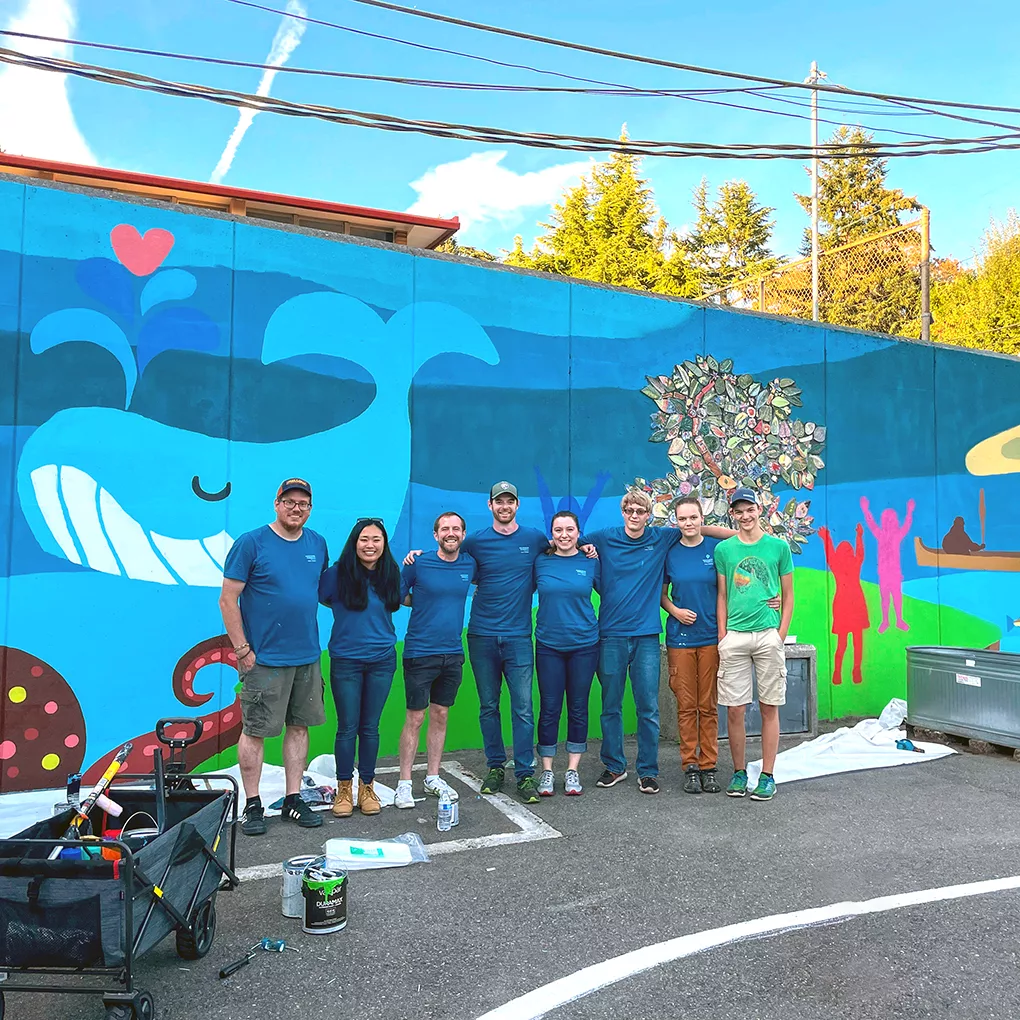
<point x="17" y="694"/>
<point x="50" y="762"/>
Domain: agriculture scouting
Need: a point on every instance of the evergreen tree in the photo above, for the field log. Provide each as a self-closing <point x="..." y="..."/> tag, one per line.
<point x="729" y="242"/>
<point x="451" y="247"/>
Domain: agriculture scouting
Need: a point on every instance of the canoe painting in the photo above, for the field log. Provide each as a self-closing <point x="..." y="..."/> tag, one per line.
<point x="983" y="560"/>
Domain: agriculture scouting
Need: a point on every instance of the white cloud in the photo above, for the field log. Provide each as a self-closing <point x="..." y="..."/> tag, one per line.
<point x="285" y="42"/>
<point x="35" y="113"/>
<point x="479" y="190"/>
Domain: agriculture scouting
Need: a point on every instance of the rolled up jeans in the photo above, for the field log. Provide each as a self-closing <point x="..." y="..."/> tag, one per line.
<point x="559" y="673"/>
<point x="640" y="657"/>
<point x="360" y="690"/>
<point x="492" y="658"/>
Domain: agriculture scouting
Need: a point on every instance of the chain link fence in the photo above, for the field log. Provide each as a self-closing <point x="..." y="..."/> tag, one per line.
<point x="878" y="283"/>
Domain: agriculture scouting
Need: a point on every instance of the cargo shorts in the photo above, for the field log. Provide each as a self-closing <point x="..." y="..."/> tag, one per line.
<point x="738" y="651"/>
<point x="272" y="696"/>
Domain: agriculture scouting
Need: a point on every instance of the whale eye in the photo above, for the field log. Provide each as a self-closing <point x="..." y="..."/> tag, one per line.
<point x="213" y="497"/>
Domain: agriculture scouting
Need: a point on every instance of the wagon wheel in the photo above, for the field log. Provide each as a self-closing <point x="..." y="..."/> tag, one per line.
<point x="194" y="942"/>
<point x="145" y="1008"/>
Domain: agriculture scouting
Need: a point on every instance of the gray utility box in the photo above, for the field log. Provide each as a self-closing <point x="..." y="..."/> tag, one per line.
<point x="965" y="691"/>
<point x="798" y="715"/>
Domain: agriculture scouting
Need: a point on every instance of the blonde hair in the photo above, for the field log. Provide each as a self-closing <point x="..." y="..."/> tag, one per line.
<point x="636" y="497"/>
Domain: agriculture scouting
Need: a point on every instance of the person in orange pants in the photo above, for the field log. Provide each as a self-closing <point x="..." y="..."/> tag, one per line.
<point x="689" y="597"/>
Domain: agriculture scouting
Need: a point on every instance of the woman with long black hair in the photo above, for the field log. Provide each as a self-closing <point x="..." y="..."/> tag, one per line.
<point x="363" y="590"/>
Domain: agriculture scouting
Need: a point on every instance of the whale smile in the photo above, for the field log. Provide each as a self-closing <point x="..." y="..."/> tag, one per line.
<point x="93" y="529"/>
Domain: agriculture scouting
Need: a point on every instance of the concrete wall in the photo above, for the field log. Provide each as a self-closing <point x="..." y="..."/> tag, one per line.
<point x="161" y="371"/>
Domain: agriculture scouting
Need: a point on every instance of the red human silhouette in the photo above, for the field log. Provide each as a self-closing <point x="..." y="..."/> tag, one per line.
<point x="849" y="610"/>
<point x="889" y="535"/>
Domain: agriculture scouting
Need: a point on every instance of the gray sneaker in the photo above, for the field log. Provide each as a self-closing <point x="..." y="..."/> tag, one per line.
<point x="546" y="784"/>
<point x="572" y="784"/>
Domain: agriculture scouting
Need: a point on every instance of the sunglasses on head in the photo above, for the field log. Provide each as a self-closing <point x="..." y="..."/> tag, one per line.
<point x="369" y="520"/>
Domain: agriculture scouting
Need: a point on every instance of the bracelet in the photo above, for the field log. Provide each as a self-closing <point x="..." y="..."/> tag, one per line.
<point x="237" y="650"/>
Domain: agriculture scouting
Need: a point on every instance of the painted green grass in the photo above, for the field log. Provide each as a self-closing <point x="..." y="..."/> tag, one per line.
<point x="884" y="671"/>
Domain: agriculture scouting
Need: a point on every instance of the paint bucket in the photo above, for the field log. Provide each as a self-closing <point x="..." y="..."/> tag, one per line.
<point x="325" y="895"/>
<point x="290" y="891"/>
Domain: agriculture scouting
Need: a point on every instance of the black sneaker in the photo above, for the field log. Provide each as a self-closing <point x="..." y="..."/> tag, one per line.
<point x="692" y="779"/>
<point x="296" y="810"/>
<point x="253" y="821"/>
<point x="611" y="778"/>
<point x="710" y="782"/>
<point x="648" y="784"/>
<point x="493" y="782"/>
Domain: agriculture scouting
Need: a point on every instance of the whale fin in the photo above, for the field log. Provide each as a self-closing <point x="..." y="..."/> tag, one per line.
<point x="439" y="328"/>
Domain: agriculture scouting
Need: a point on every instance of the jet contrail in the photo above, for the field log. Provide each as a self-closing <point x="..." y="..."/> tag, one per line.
<point x="285" y="42"/>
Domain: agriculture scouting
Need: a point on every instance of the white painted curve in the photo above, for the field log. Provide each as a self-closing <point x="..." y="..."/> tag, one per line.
<point x="575" y="986"/>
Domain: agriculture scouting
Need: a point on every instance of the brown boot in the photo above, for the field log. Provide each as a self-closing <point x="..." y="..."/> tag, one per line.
<point x="368" y="800"/>
<point x="343" y="802"/>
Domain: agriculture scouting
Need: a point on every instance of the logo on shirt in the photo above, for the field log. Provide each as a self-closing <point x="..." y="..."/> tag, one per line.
<point x="524" y="548"/>
<point x="581" y="573"/>
<point x="310" y="557"/>
<point x="464" y="577"/>
<point x="750" y="572"/>
<point x="709" y="560"/>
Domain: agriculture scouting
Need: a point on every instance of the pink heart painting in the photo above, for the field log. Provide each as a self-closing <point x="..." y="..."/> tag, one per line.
<point x="139" y="254"/>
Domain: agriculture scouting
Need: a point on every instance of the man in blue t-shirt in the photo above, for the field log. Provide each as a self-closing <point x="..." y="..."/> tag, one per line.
<point x="435" y="585"/>
<point x="689" y="598"/>
<point x="269" y="602"/>
<point x="633" y="561"/>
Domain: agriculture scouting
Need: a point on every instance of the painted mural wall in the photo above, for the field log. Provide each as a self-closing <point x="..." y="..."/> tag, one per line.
<point x="161" y="371"/>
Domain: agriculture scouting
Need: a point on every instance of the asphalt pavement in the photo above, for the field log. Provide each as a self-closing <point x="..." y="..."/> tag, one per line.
<point x="615" y="871"/>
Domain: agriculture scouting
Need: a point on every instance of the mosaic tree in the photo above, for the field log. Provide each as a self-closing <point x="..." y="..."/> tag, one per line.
<point x="723" y="430"/>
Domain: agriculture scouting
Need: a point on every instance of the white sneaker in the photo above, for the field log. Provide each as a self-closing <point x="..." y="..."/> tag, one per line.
<point x="546" y="784"/>
<point x="436" y="786"/>
<point x="404" y="798"/>
<point x="572" y="784"/>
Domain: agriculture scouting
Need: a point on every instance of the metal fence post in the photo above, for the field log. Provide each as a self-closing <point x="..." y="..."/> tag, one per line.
<point x="925" y="274"/>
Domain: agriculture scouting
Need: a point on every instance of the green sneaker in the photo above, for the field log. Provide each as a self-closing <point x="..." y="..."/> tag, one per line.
<point x="738" y="784"/>
<point x="493" y="782"/>
<point x="765" y="790"/>
<point x="528" y="789"/>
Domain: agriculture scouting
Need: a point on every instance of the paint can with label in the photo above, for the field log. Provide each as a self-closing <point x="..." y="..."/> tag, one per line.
<point x="325" y="895"/>
<point x="290" y="893"/>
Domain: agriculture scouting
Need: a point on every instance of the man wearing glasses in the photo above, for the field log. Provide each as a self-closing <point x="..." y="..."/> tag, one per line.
<point x="753" y="568"/>
<point x="269" y="603"/>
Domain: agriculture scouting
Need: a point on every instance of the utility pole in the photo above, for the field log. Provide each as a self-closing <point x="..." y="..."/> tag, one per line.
<point x="813" y="79"/>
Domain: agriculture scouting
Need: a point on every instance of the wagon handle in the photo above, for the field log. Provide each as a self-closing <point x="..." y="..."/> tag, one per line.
<point x="179" y="742"/>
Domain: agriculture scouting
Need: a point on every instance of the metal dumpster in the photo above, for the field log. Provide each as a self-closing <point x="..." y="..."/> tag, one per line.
<point x="967" y="692"/>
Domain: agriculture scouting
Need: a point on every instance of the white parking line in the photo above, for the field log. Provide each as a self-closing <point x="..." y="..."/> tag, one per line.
<point x="575" y="986"/>
<point x="530" y="828"/>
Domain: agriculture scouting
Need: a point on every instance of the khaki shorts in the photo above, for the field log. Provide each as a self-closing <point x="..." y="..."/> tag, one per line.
<point x="274" y="695"/>
<point x="763" y="649"/>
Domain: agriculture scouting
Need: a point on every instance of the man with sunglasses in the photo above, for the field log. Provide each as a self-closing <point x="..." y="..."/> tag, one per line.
<point x="753" y="568"/>
<point x="269" y="602"/>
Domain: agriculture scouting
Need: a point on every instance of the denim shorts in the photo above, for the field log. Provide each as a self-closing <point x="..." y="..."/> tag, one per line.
<point x="432" y="679"/>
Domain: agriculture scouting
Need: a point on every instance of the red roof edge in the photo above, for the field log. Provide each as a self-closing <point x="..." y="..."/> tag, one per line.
<point x="199" y="187"/>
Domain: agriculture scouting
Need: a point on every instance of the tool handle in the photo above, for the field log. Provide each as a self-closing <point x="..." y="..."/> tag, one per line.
<point x="236" y="966"/>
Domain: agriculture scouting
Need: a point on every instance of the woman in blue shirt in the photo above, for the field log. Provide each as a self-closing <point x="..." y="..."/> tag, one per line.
<point x="566" y="648"/>
<point x="363" y="590"/>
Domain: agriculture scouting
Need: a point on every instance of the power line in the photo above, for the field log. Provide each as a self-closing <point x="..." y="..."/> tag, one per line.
<point x="470" y="132"/>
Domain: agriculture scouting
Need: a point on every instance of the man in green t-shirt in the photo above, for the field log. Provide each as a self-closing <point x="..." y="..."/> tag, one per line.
<point x="755" y="604"/>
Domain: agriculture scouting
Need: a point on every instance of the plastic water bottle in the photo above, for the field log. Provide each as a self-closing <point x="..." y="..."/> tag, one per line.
<point x="455" y="813"/>
<point x="445" y="811"/>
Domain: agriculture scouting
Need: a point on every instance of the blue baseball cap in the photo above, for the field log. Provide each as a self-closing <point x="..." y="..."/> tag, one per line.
<point x="744" y="495"/>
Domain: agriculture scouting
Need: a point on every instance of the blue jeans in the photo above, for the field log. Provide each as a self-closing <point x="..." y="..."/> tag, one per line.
<point x="492" y="658"/>
<point x="560" y="673"/>
<point x="641" y="656"/>
<point x="359" y="691"/>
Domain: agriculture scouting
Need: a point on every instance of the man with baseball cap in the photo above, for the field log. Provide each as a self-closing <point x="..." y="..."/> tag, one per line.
<point x="753" y="568"/>
<point x="269" y="603"/>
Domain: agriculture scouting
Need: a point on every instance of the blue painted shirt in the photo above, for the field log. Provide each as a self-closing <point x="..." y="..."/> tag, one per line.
<point x="501" y="606"/>
<point x="632" y="571"/>
<point x="281" y="593"/>
<point x="566" y="617"/>
<point x="438" y="590"/>
<point x="366" y="636"/>
<point x="691" y="574"/>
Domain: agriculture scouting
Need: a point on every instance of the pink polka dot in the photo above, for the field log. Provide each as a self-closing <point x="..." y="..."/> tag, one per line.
<point x="37" y="671"/>
<point x="227" y="716"/>
<point x="207" y="725"/>
<point x="199" y="663"/>
<point x="215" y="656"/>
<point x="180" y="734"/>
<point x="149" y="750"/>
<point x="71" y="740"/>
<point x="188" y="692"/>
<point x="231" y="657"/>
<point x="50" y="707"/>
<point x="31" y="733"/>
<point x="7" y="749"/>
<point x="188" y="674"/>
<point x="13" y="771"/>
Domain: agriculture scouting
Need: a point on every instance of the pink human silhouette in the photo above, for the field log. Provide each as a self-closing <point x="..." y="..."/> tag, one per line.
<point x="889" y="534"/>
<point x="849" y="610"/>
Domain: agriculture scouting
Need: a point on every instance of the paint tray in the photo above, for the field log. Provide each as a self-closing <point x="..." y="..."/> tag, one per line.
<point x="363" y="854"/>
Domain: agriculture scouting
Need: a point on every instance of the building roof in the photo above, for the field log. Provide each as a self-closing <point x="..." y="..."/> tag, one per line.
<point x="380" y="224"/>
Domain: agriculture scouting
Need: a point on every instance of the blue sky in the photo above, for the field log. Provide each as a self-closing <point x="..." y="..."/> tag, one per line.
<point x="940" y="50"/>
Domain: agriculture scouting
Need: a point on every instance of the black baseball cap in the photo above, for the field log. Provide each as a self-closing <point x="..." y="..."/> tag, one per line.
<point x="504" y="488"/>
<point x="744" y="495"/>
<point x="293" y="483"/>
